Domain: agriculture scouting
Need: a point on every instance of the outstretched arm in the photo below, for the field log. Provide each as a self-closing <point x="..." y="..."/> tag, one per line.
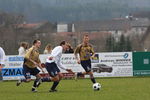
<point x="76" y="52"/>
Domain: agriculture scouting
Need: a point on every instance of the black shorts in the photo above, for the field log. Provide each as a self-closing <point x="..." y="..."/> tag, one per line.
<point x="27" y="72"/>
<point x="86" y="64"/>
<point x="52" y="69"/>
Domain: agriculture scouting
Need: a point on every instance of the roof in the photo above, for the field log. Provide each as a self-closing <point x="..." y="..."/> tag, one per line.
<point x="104" y="25"/>
<point x="111" y="25"/>
<point x="140" y="22"/>
<point x="92" y="35"/>
<point x="30" y="25"/>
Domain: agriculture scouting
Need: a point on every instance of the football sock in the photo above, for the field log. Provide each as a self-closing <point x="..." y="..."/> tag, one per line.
<point x="93" y="80"/>
<point x="54" y="85"/>
<point x="35" y="82"/>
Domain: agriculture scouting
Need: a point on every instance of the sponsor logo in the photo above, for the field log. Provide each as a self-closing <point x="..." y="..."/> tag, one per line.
<point x="15" y="64"/>
<point x="16" y="58"/>
<point x="95" y="59"/>
<point x="12" y="72"/>
<point x="126" y="55"/>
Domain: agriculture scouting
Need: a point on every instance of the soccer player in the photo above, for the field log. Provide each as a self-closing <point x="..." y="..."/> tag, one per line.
<point x="86" y="52"/>
<point x="53" y="63"/>
<point x="2" y="59"/>
<point x="31" y="62"/>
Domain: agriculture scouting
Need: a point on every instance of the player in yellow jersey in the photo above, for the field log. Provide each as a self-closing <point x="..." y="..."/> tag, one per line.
<point x="86" y="52"/>
<point x="31" y="62"/>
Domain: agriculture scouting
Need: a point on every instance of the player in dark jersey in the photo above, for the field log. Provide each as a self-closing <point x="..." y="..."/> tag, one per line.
<point x="86" y="52"/>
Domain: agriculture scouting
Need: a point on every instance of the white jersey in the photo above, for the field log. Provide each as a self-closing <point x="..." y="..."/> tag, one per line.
<point x="56" y="54"/>
<point x="2" y="56"/>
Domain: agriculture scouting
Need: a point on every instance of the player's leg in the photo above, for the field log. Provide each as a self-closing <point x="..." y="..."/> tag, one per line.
<point x="49" y="69"/>
<point x="87" y="67"/>
<point x="55" y="84"/>
<point x="36" y="83"/>
<point x="53" y="72"/>
<point x="89" y="71"/>
<point x="60" y="76"/>
<point x="26" y="73"/>
<point x="92" y="77"/>
<point x="57" y="76"/>
<point x="84" y="65"/>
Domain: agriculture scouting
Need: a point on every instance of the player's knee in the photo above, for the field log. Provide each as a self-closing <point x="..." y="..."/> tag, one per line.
<point x="91" y="74"/>
<point x="60" y="76"/>
<point x="56" y="78"/>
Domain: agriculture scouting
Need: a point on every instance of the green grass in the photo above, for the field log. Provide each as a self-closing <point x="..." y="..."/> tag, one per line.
<point x="112" y="89"/>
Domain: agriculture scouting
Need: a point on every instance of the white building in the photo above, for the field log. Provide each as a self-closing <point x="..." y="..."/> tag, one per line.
<point x="62" y="27"/>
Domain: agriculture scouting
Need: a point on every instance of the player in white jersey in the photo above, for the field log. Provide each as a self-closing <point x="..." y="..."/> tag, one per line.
<point x="53" y="63"/>
<point x="2" y="59"/>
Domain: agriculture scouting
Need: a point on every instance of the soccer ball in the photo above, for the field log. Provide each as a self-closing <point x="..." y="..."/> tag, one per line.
<point x="96" y="86"/>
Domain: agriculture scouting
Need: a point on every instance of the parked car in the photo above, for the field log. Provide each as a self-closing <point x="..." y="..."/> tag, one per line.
<point x="102" y="68"/>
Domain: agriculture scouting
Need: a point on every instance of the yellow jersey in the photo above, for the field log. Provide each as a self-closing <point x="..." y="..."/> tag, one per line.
<point x="85" y="51"/>
<point x="32" y="54"/>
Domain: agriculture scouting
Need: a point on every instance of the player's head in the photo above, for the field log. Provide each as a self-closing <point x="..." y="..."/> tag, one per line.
<point x="25" y="45"/>
<point x="86" y="39"/>
<point x="64" y="45"/>
<point x="37" y="43"/>
<point x="48" y="47"/>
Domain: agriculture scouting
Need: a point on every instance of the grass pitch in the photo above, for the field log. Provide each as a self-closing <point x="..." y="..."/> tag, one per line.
<point x="112" y="89"/>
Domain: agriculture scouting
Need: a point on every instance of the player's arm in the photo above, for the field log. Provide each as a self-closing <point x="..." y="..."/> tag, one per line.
<point x="76" y="52"/>
<point x="64" y="68"/>
<point x="40" y="65"/>
<point x="92" y="52"/>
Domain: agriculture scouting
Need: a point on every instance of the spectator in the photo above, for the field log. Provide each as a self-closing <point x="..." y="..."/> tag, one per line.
<point x="48" y="49"/>
<point x="23" y="48"/>
<point x="69" y="49"/>
<point x="2" y="59"/>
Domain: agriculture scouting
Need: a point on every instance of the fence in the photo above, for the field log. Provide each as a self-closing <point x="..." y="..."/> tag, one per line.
<point x="118" y="64"/>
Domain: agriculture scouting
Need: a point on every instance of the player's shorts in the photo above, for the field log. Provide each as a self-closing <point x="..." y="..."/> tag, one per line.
<point x="52" y="69"/>
<point x="27" y="72"/>
<point x="86" y="64"/>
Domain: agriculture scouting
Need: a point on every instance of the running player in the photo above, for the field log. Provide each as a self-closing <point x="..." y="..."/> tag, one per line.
<point x="31" y="62"/>
<point x="53" y="63"/>
<point x="2" y="59"/>
<point x="86" y="52"/>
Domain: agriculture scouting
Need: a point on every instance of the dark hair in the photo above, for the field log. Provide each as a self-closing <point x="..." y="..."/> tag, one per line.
<point x="86" y="35"/>
<point x="62" y="43"/>
<point x="35" y="41"/>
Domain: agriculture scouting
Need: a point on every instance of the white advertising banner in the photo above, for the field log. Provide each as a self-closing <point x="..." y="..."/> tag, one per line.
<point x="114" y="65"/>
<point x="13" y="68"/>
<point x="68" y="60"/>
<point x="103" y="65"/>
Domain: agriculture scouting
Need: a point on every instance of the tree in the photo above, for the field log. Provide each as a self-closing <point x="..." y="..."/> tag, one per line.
<point x="128" y="44"/>
<point x="124" y="44"/>
<point x="121" y="44"/>
<point x="110" y="44"/>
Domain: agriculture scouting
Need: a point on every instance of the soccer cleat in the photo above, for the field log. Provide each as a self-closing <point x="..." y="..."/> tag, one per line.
<point x="18" y="82"/>
<point x="34" y="90"/>
<point x="53" y="90"/>
<point x="38" y="83"/>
